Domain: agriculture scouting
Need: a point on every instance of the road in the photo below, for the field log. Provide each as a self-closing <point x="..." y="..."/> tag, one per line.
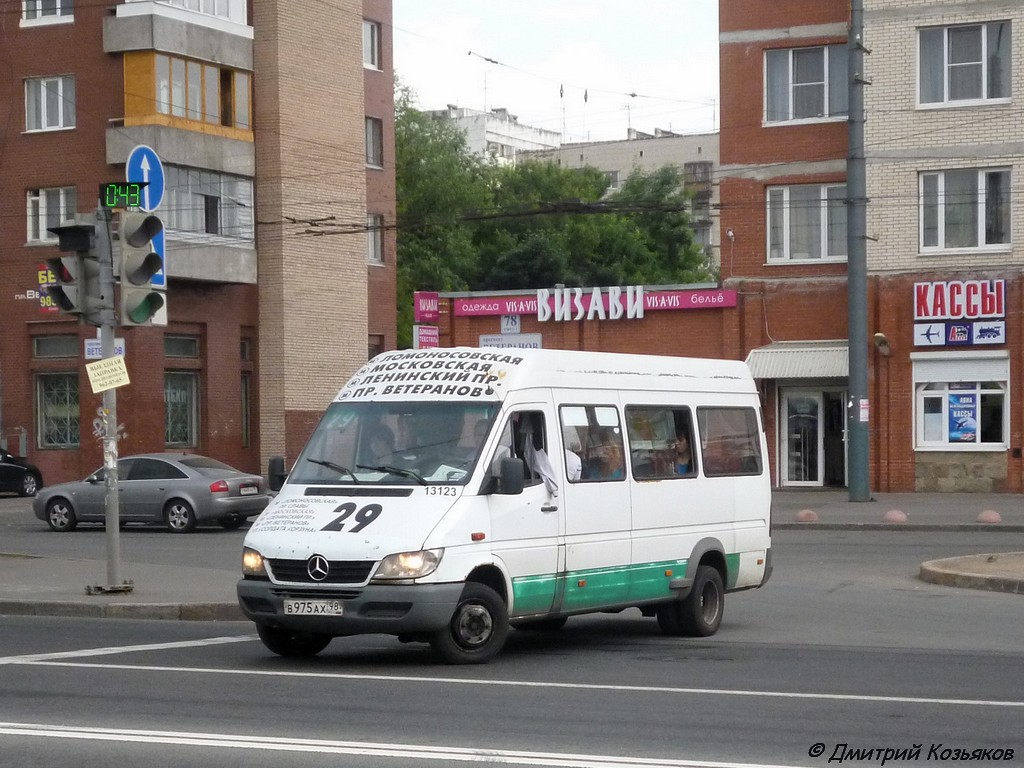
<point x="844" y="646"/>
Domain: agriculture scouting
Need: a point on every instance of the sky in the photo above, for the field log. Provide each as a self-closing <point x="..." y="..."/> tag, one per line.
<point x="587" y="69"/>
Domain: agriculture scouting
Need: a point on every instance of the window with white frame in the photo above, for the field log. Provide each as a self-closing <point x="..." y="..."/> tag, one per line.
<point x="375" y="238"/>
<point x="961" y="400"/>
<point x="181" y="409"/>
<point x="49" y="103"/>
<point x="57" y="423"/>
<point x="805" y="83"/>
<point x="48" y="208"/>
<point x="375" y="142"/>
<point x="807" y="222"/>
<point x="47" y="11"/>
<point x="964" y="63"/>
<point x="965" y="208"/>
<point x="371" y="44"/>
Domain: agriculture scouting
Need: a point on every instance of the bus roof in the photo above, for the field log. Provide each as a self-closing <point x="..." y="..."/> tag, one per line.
<point x="460" y="373"/>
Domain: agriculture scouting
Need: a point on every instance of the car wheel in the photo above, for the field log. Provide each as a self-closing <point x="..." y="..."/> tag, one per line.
<point x="179" y="516"/>
<point x="477" y="630"/>
<point x="287" y="642"/>
<point x="60" y="515"/>
<point x="29" y="485"/>
<point x="232" y="523"/>
<point x="700" y="614"/>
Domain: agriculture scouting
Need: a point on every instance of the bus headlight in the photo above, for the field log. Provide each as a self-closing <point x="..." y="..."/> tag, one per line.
<point x="252" y="564"/>
<point x="409" y="565"/>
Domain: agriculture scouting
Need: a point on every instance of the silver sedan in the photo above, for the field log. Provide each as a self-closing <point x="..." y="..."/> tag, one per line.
<point x="178" y="490"/>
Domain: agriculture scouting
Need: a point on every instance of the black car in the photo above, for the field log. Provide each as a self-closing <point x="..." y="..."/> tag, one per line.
<point x="18" y="476"/>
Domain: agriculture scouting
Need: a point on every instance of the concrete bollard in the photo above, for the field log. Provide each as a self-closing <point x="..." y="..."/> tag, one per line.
<point x="807" y="516"/>
<point x="990" y="516"/>
<point x="895" y="516"/>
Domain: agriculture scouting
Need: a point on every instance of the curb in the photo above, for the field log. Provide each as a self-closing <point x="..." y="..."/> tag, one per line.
<point x="962" y="572"/>
<point x="157" y="611"/>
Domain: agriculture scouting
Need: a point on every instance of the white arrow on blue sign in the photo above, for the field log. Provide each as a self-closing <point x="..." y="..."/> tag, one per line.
<point x="144" y="165"/>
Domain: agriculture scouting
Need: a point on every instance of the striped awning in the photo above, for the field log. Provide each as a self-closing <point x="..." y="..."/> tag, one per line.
<point x="801" y="360"/>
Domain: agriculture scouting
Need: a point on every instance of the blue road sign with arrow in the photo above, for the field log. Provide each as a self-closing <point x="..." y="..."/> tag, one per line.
<point x="144" y="165"/>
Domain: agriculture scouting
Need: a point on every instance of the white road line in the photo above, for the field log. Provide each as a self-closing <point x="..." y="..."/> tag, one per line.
<point x="116" y="649"/>
<point x="534" y="684"/>
<point x="369" y="748"/>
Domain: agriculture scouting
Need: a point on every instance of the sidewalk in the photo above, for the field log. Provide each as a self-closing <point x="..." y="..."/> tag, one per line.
<point x="34" y="585"/>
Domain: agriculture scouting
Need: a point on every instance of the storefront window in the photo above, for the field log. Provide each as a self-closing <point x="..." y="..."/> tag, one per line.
<point x="961" y="414"/>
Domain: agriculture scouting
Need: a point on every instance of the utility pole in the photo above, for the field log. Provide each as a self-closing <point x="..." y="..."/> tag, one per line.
<point x="858" y="405"/>
<point x="109" y="412"/>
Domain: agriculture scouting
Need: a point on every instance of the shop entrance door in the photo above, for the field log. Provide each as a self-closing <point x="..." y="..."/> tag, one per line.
<point x="813" y="441"/>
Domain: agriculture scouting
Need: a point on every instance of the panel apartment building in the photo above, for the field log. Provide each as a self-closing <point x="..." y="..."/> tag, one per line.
<point x="277" y="143"/>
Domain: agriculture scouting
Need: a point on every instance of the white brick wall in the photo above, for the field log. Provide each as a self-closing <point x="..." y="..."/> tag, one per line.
<point x="903" y="139"/>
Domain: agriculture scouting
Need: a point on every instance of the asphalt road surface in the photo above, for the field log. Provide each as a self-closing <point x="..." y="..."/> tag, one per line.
<point x="843" y="647"/>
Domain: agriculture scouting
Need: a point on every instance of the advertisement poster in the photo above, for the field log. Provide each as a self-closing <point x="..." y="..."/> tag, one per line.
<point x="963" y="418"/>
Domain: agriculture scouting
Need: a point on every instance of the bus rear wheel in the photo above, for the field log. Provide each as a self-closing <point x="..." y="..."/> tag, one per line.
<point x="700" y="613"/>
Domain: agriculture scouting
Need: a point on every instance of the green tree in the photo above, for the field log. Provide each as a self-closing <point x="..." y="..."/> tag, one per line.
<point x="437" y="182"/>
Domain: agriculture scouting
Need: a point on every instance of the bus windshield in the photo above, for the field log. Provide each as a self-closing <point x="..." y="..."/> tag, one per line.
<point x="401" y="443"/>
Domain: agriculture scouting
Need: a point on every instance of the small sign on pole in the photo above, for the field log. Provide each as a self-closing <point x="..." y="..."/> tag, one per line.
<point x="107" y="374"/>
<point x="425" y="337"/>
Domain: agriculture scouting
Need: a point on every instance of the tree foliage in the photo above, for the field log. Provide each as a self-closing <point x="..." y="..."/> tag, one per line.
<point x="466" y="224"/>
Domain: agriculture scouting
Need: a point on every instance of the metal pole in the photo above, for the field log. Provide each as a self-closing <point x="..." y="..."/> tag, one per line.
<point x="858" y="407"/>
<point x="109" y="415"/>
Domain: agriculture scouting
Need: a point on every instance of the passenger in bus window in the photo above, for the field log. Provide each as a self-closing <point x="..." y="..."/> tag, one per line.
<point x="683" y="455"/>
<point x="608" y="464"/>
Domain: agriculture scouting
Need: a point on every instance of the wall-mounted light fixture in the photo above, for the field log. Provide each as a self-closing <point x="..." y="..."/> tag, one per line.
<point x="882" y="344"/>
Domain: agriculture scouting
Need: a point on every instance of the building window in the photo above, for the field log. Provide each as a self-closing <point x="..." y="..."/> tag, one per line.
<point x="55" y="346"/>
<point x="375" y="239"/>
<point x="181" y="346"/>
<point x="48" y="208"/>
<point x="958" y="414"/>
<point x="371" y="44"/>
<point x="208" y="202"/>
<point x="202" y="92"/>
<point x="218" y="8"/>
<point x="960" y="400"/>
<point x="965" y="63"/>
<point x="807" y="223"/>
<point x="181" y="409"/>
<point x="57" y="410"/>
<point x="375" y="142"/>
<point x="805" y="83"/>
<point x="967" y="208"/>
<point x="49" y="103"/>
<point x="47" y="11"/>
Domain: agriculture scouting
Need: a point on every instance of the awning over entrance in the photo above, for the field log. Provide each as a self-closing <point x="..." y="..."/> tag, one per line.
<point x="801" y="360"/>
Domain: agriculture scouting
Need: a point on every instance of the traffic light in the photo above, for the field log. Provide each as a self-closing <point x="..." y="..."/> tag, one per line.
<point x="78" y="289"/>
<point x="140" y="299"/>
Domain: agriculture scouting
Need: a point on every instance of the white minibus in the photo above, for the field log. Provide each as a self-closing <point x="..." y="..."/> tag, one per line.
<point x="450" y="494"/>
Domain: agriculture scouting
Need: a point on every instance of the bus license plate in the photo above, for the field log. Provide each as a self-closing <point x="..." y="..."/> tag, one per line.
<point x="313" y="607"/>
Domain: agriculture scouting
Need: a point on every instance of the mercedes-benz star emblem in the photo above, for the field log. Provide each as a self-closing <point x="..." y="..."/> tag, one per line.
<point x="317" y="567"/>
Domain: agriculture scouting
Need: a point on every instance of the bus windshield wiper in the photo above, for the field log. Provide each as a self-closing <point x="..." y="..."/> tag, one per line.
<point x="335" y="467"/>
<point x="395" y="471"/>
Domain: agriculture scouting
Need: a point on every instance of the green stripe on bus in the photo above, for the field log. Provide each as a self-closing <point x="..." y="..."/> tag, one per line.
<point x="596" y="587"/>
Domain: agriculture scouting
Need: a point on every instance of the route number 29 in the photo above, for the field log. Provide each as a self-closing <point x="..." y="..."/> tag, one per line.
<point x="363" y="517"/>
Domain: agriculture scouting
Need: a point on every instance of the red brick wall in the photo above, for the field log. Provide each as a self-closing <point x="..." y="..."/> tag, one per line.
<point x="736" y="15"/>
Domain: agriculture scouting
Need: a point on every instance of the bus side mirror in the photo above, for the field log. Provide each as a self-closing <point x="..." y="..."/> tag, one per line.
<point x="276" y="474"/>
<point x="510" y="481"/>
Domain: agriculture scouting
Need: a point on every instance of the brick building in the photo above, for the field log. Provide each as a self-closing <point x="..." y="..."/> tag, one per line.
<point x="945" y="300"/>
<point x="267" y="128"/>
